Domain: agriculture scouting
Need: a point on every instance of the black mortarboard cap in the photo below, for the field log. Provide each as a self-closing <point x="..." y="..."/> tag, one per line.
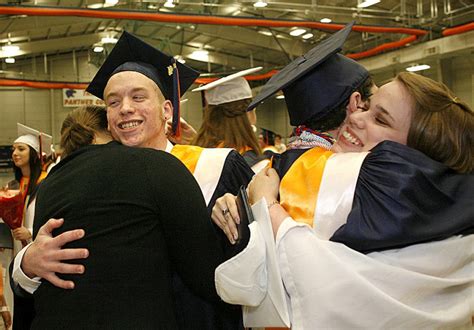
<point x="318" y="82"/>
<point x="132" y="54"/>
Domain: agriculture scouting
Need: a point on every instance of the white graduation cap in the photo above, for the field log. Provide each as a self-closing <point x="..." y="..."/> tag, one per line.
<point x="37" y="140"/>
<point x="228" y="89"/>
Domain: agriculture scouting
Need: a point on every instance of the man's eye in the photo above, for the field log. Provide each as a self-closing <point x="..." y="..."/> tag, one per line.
<point x="381" y="121"/>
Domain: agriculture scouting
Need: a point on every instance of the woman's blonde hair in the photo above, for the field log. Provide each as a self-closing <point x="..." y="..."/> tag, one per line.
<point x="442" y="126"/>
<point x="80" y="126"/>
<point x="227" y="125"/>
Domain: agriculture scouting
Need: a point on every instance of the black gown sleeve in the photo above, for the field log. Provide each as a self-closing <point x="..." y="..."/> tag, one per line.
<point x="403" y="197"/>
<point x="190" y="238"/>
<point x="235" y="173"/>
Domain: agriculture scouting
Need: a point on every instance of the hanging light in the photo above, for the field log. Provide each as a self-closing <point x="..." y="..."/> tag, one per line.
<point x="169" y="4"/>
<point x="418" y="67"/>
<point x="297" y="32"/>
<point x="10" y="60"/>
<point x="367" y="3"/>
<point x="200" y="55"/>
<point x="109" y="40"/>
<point x="260" y="4"/>
<point x="325" y="20"/>
<point x="180" y="59"/>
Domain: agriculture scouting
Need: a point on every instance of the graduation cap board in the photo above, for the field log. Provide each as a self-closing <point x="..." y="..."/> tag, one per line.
<point x="132" y="54"/>
<point x="317" y="82"/>
<point x="228" y="89"/>
<point x="37" y="140"/>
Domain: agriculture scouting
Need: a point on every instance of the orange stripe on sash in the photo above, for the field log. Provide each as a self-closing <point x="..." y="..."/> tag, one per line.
<point x="188" y="155"/>
<point x="300" y="185"/>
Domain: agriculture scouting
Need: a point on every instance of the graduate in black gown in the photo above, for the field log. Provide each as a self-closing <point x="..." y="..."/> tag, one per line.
<point x="409" y="199"/>
<point x="141" y="87"/>
<point x="136" y="229"/>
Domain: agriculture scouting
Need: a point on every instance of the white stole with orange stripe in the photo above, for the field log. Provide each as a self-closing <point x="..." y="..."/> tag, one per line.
<point x="206" y="165"/>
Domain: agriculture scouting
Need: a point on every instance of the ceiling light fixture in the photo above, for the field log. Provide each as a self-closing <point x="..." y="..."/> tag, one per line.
<point x="297" y="32"/>
<point x="265" y="33"/>
<point x="367" y="3"/>
<point x="110" y="3"/>
<point x="109" y="40"/>
<point x="98" y="49"/>
<point x="180" y="59"/>
<point x="325" y="20"/>
<point x="10" y="60"/>
<point x="10" y="48"/>
<point x="169" y="4"/>
<point x="280" y="97"/>
<point x="307" y="36"/>
<point x="260" y="4"/>
<point x="200" y="55"/>
<point x="95" y="6"/>
<point x="418" y="67"/>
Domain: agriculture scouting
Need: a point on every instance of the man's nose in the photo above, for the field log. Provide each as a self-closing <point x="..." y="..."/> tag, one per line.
<point x="127" y="106"/>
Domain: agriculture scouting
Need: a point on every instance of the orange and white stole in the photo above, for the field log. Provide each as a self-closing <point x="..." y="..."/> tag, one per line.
<point x="319" y="187"/>
<point x="299" y="187"/>
<point x="206" y="165"/>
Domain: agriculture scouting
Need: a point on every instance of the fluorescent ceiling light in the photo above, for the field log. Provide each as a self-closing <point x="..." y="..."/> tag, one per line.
<point x="111" y="2"/>
<point x="418" y="67"/>
<point x="307" y="36"/>
<point x="265" y="32"/>
<point x="180" y="59"/>
<point x="200" y="55"/>
<point x="10" y="48"/>
<point x="367" y="3"/>
<point x="98" y="49"/>
<point x="169" y="4"/>
<point x="260" y="4"/>
<point x="297" y="32"/>
<point x="109" y="40"/>
<point x="325" y="20"/>
<point x="10" y="60"/>
<point x="95" y="5"/>
<point x="280" y="97"/>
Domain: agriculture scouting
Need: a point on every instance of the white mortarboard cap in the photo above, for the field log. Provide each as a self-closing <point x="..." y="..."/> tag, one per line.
<point x="228" y="89"/>
<point x="32" y="138"/>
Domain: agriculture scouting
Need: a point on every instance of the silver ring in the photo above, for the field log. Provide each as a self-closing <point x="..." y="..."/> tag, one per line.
<point x="225" y="211"/>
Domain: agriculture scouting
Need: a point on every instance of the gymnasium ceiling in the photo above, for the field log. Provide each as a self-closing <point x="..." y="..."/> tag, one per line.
<point x="214" y="25"/>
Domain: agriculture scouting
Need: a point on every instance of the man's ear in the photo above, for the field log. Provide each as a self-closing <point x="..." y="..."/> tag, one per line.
<point x="167" y="108"/>
<point x="355" y="101"/>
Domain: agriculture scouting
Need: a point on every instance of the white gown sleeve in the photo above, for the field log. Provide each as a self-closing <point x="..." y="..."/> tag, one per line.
<point x="331" y="286"/>
<point x="28" y="284"/>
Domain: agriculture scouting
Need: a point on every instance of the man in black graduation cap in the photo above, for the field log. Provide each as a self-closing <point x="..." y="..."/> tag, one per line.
<point x="320" y="87"/>
<point x="141" y="87"/>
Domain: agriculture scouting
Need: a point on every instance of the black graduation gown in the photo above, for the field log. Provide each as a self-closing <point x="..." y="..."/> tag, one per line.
<point x="403" y="197"/>
<point x="193" y="311"/>
<point x="144" y="217"/>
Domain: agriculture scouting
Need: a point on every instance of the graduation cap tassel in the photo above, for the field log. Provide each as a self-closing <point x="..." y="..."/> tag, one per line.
<point x="176" y="101"/>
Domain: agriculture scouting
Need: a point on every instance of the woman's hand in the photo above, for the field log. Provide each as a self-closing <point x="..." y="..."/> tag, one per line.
<point x="21" y="234"/>
<point x="226" y="217"/>
<point x="265" y="184"/>
<point x="7" y="319"/>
